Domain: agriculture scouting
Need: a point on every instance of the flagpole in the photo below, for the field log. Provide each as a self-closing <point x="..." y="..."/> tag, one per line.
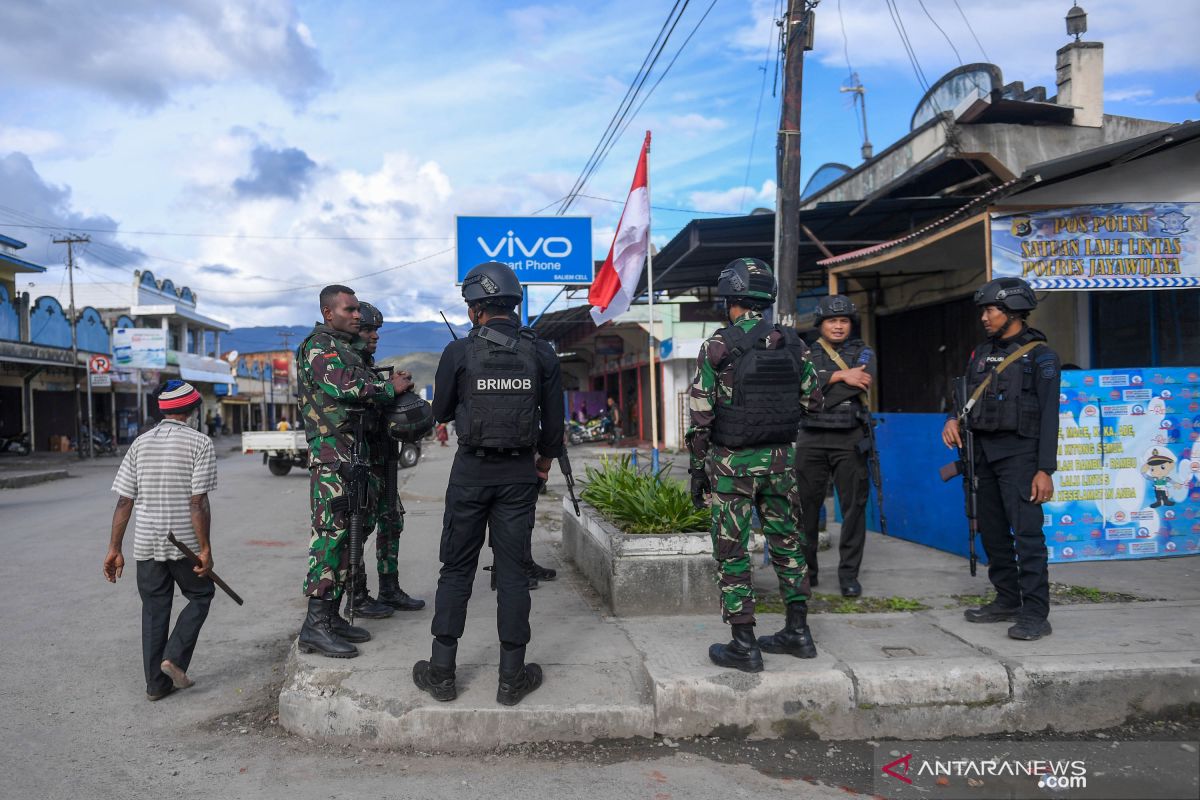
<point x="650" y="292"/>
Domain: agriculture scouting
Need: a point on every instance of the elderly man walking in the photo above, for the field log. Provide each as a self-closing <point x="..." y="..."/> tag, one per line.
<point x="166" y="476"/>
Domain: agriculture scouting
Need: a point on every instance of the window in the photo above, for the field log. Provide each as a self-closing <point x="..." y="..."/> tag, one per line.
<point x="1147" y="328"/>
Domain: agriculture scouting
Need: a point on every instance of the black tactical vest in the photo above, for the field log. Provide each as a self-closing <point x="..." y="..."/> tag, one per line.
<point x="498" y="391"/>
<point x="1009" y="403"/>
<point x="845" y="415"/>
<point x="766" y="388"/>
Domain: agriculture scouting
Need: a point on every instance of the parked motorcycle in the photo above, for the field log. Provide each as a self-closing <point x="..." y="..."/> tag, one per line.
<point x="103" y="443"/>
<point x="17" y="445"/>
<point x="596" y="429"/>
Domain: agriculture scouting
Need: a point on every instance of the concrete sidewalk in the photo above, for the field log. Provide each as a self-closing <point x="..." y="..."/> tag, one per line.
<point x="917" y="675"/>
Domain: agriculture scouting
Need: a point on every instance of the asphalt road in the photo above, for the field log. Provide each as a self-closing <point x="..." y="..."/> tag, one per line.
<point x="75" y="723"/>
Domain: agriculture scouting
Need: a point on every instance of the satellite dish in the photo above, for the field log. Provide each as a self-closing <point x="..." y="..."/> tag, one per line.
<point x="232" y="356"/>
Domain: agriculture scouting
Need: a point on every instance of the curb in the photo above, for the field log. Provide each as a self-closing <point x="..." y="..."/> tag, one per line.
<point x="17" y="480"/>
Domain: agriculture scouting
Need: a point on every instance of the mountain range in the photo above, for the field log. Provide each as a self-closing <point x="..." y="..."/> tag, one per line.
<point x="395" y="338"/>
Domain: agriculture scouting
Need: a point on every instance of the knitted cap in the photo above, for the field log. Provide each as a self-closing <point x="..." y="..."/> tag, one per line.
<point x="178" y="397"/>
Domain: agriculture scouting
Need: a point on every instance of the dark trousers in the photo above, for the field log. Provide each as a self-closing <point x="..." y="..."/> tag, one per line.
<point x="471" y="513"/>
<point x="156" y="582"/>
<point x="814" y="465"/>
<point x="1010" y="527"/>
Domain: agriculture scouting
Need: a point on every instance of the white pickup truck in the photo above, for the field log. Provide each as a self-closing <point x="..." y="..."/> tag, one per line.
<point x="283" y="450"/>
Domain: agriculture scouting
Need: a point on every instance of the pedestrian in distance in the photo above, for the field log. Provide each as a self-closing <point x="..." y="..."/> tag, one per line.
<point x="166" y="477"/>
<point x="385" y="516"/>
<point x="753" y="384"/>
<point x="1012" y="387"/>
<point x="613" y="412"/>
<point x="503" y="388"/>
<point x="831" y="442"/>
<point x="336" y="388"/>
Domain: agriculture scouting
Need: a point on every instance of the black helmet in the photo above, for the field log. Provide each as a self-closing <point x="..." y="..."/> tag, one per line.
<point x="834" y="305"/>
<point x="408" y="418"/>
<point x="1008" y="294"/>
<point x="491" y="281"/>
<point x="372" y="318"/>
<point x="747" y="279"/>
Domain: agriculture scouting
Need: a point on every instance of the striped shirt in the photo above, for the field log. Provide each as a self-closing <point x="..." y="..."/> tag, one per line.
<point x="164" y="467"/>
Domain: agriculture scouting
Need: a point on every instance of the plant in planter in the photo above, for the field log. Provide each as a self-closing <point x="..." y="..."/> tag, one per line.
<point x="640" y="502"/>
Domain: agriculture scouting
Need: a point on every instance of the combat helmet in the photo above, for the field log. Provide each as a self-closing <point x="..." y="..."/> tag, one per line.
<point x="748" y="282"/>
<point x="408" y="417"/>
<point x="491" y="281"/>
<point x="1011" y="295"/>
<point x="370" y="316"/>
<point x="835" y="305"/>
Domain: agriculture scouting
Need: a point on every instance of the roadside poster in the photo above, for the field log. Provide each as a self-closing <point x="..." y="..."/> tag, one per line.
<point x="1128" y="478"/>
<point x="1110" y="246"/>
<point x="140" y="348"/>
<point x="541" y="250"/>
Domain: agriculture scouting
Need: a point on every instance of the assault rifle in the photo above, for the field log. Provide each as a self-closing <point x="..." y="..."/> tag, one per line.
<point x="356" y="494"/>
<point x="391" y="506"/>
<point x="965" y="465"/>
<point x="564" y="464"/>
<point x="869" y="447"/>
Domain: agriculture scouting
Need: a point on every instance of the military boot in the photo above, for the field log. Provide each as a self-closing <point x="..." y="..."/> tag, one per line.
<point x="436" y="675"/>
<point x="366" y="606"/>
<point x="517" y="678"/>
<point x="391" y="594"/>
<point x="538" y="572"/>
<point x="795" y="639"/>
<point x="741" y="653"/>
<point x="351" y="633"/>
<point x="318" y="636"/>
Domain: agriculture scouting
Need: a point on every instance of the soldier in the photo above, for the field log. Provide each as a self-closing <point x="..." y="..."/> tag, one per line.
<point x="502" y="387"/>
<point x="333" y="383"/>
<point x="386" y="518"/>
<point x="831" y="441"/>
<point x="1012" y="385"/>
<point x="753" y="383"/>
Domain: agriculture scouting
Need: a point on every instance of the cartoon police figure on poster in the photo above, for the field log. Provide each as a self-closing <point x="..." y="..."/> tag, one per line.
<point x="1128" y="484"/>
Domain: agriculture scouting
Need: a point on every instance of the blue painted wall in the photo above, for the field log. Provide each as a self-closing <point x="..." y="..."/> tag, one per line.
<point x="10" y="323"/>
<point x="92" y="335"/>
<point x="48" y="324"/>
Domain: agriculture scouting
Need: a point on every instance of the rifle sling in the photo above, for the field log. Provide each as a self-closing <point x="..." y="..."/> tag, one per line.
<point x="1003" y="365"/>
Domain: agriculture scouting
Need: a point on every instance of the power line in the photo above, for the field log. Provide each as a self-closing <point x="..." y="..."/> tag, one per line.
<point x="762" y="92"/>
<point x="118" y="232"/>
<point x="942" y="32"/>
<point x="972" y="30"/>
<point x="613" y="128"/>
<point x="666" y="208"/>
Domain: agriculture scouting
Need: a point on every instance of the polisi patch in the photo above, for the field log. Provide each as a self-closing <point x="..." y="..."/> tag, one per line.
<point x="504" y="385"/>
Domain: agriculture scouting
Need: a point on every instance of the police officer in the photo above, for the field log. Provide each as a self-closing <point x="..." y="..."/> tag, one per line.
<point x="502" y="387"/>
<point x="1012" y="386"/>
<point x="386" y="518"/>
<point x="334" y="383"/>
<point x="753" y="383"/>
<point x="831" y="440"/>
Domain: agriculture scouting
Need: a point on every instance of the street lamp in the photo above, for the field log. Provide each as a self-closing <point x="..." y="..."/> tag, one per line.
<point x="1076" y="22"/>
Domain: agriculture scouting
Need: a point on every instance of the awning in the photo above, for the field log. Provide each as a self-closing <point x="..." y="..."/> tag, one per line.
<point x="235" y="401"/>
<point x="204" y="369"/>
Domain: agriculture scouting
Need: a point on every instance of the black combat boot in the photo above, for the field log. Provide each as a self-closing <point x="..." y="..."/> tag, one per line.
<point x="517" y="678"/>
<point x="436" y="675"/>
<point x="366" y="606"/>
<point x="1030" y="629"/>
<point x="741" y="653"/>
<point x="318" y="636"/>
<point x="391" y="594"/>
<point x="795" y="639"/>
<point x="351" y="633"/>
<point x="992" y="612"/>
<point x="538" y="572"/>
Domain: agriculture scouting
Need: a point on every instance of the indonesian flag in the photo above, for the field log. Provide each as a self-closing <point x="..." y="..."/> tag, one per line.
<point x="612" y="292"/>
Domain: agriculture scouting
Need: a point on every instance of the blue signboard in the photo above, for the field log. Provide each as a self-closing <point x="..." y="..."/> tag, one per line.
<point x="1128" y="482"/>
<point x="541" y="250"/>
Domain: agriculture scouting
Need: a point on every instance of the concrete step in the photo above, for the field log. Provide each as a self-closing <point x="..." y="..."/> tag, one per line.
<point x="17" y="479"/>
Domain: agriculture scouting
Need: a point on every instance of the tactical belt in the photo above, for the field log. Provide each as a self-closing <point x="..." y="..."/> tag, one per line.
<point x="1003" y="365"/>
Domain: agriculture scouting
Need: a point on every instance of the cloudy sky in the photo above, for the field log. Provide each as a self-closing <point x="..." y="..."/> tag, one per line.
<point x="250" y="148"/>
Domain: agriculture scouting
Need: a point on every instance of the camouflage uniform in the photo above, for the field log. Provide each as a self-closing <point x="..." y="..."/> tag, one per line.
<point x="333" y="379"/>
<point x="743" y="479"/>
<point x="387" y="526"/>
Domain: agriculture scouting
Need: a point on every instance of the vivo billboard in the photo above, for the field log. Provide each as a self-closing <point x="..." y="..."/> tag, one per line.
<point x="541" y="250"/>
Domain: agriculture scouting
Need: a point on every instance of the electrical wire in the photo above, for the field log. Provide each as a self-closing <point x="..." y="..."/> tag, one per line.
<point x="115" y="232"/>
<point x="957" y="57"/>
<point x="972" y="30"/>
<point x="614" y="126"/>
<point x="762" y="92"/>
<point x="857" y="97"/>
<point x="666" y="208"/>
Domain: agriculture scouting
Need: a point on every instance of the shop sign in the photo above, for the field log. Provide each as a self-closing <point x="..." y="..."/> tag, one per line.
<point x="1100" y="247"/>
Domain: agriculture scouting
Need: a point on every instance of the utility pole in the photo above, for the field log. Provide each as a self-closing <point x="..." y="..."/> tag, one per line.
<point x="70" y="242"/>
<point x="286" y="336"/>
<point x="797" y="38"/>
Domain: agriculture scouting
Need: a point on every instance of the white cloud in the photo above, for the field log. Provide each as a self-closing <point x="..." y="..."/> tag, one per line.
<point x="30" y="141"/>
<point x="736" y="200"/>
<point x="693" y="123"/>
<point x="1118" y="95"/>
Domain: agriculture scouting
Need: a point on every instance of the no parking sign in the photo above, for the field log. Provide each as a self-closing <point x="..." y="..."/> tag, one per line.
<point x="99" y="365"/>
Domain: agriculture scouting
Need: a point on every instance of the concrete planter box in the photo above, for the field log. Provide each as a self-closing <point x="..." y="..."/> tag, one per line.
<point x="641" y="574"/>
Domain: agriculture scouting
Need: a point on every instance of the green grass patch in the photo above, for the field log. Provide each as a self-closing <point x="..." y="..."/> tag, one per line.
<point x="836" y="604"/>
<point x="637" y="501"/>
<point x="1061" y="594"/>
